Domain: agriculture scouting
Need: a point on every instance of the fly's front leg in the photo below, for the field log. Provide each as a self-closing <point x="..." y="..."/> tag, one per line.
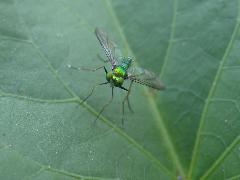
<point x="87" y="69"/>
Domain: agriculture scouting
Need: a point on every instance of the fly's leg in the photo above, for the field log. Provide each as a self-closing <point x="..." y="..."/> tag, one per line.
<point x="103" y="108"/>
<point x="87" y="69"/>
<point x="92" y="90"/>
<point x="126" y="98"/>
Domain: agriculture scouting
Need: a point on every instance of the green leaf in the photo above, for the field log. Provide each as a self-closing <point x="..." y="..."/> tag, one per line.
<point x="189" y="131"/>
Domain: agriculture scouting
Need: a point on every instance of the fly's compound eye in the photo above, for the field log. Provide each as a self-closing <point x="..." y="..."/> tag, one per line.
<point x="109" y="76"/>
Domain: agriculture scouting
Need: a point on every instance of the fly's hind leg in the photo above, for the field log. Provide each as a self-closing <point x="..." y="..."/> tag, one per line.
<point x="126" y="98"/>
<point x="129" y="105"/>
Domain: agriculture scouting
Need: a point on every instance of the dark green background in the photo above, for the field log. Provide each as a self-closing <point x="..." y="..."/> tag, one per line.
<point x="191" y="130"/>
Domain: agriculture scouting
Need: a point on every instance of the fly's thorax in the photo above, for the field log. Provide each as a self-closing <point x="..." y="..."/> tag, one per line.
<point x="126" y="62"/>
<point x="120" y="71"/>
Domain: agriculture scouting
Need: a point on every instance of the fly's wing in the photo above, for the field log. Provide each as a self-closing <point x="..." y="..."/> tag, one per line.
<point x="107" y="45"/>
<point x="145" y="77"/>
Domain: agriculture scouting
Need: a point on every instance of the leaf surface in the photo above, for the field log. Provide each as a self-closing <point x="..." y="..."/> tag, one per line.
<point x="190" y="130"/>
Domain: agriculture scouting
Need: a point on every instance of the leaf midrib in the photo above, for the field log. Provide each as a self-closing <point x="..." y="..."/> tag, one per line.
<point x="152" y="102"/>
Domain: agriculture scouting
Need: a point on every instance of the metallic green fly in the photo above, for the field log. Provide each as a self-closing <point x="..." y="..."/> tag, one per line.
<point x="121" y="70"/>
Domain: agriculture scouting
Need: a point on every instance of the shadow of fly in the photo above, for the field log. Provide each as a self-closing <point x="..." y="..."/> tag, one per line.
<point x="121" y="70"/>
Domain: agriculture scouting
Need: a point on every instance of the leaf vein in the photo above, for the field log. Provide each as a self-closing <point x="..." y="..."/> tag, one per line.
<point x="171" y="39"/>
<point x="26" y="98"/>
<point x="15" y="39"/>
<point x="224" y="155"/>
<point x="210" y="95"/>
